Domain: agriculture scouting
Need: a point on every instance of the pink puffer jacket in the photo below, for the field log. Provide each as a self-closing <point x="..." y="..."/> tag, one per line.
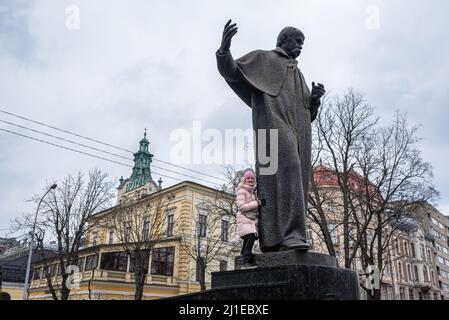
<point x="246" y="202"/>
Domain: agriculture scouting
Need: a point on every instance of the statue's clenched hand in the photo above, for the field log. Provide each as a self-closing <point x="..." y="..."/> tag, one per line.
<point x="228" y="32"/>
<point x="317" y="92"/>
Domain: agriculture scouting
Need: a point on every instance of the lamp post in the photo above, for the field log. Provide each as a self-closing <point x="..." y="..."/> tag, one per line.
<point x="30" y="253"/>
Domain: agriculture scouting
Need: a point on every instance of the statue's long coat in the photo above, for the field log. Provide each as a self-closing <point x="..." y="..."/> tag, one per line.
<point x="271" y="84"/>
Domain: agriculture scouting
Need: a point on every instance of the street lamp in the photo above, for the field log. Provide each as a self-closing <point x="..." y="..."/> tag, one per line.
<point x="27" y="275"/>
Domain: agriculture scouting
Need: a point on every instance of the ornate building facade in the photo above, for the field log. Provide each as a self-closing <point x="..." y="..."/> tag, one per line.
<point x="191" y="218"/>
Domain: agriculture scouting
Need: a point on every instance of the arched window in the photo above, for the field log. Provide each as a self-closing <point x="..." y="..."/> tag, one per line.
<point x="400" y="276"/>
<point x="409" y="271"/>
<point x="416" y="273"/>
<point x="426" y="274"/>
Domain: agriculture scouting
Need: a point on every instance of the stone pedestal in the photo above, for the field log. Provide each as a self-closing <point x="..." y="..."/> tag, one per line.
<point x="286" y="275"/>
<point x="289" y="258"/>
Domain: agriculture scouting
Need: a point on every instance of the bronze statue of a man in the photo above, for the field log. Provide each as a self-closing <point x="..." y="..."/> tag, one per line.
<point x="271" y="84"/>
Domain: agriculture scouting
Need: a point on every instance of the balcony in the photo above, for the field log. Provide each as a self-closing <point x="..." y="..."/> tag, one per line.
<point x="424" y="285"/>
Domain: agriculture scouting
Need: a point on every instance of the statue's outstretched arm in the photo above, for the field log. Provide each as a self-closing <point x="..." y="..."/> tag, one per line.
<point x="225" y="62"/>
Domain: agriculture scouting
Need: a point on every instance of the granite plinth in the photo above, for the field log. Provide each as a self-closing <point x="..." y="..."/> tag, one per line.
<point x="306" y="281"/>
<point x="289" y="258"/>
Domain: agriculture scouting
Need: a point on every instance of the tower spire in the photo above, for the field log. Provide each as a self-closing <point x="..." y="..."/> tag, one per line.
<point x="142" y="164"/>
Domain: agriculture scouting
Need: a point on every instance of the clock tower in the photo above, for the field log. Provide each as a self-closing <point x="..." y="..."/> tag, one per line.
<point x="140" y="183"/>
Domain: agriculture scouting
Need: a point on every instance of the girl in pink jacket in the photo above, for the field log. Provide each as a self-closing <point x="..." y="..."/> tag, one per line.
<point x="248" y="207"/>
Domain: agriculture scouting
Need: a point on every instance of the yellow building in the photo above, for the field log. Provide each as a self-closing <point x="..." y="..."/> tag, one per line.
<point x="191" y="216"/>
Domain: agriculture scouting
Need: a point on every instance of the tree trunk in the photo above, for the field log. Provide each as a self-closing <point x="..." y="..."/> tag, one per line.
<point x="65" y="292"/>
<point x="203" y="276"/>
<point x="203" y="284"/>
<point x="52" y="289"/>
<point x="140" y="282"/>
<point x="140" y="259"/>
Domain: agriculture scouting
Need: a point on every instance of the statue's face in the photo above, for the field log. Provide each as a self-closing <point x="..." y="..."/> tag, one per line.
<point x="292" y="43"/>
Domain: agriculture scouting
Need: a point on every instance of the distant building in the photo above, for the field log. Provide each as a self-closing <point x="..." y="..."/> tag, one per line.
<point x="13" y="263"/>
<point x="436" y="231"/>
<point x="417" y="260"/>
<point x="6" y="243"/>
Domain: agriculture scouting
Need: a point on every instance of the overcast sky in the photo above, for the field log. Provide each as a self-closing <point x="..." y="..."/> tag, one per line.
<point x="136" y="64"/>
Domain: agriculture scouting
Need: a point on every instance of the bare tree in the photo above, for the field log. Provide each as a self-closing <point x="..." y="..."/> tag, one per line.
<point x="391" y="164"/>
<point x="138" y="228"/>
<point x="208" y="235"/>
<point x="341" y="125"/>
<point x="64" y="216"/>
<point x="372" y="174"/>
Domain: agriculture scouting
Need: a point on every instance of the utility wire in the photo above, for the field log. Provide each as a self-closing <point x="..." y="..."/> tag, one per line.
<point x="104" y="143"/>
<point x="100" y="150"/>
<point x="82" y="152"/>
<point x="66" y="140"/>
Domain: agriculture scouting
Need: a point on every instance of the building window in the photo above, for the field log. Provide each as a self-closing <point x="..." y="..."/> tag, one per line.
<point x="429" y="256"/>
<point x="127" y="232"/>
<point x="162" y="261"/>
<point x="331" y="205"/>
<point x="52" y="270"/>
<point x="409" y="271"/>
<point x="132" y="262"/>
<point x="223" y="265"/>
<point x="80" y="264"/>
<point x="310" y="236"/>
<point x="111" y="237"/>
<point x="146" y="230"/>
<point x="434" y="221"/>
<point x="423" y="255"/>
<point x="400" y="275"/>
<point x="389" y="272"/>
<point x="94" y="238"/>
<point x="200" y="269"/>
<point x="91" y="262"/>
<point x="224" y="230"/>
<point x="411" y="295"/>
<point x="170" y="224"/>
<point x="412" y="247"/>
<point x="426" y="274"/>
<point x="333" y="233"/>
<point x="202" y="223"/>
<point x="37" y="274"/>
<point x="401" y="293"/>
<point x="406" y="248"/>
<point x="114" y="261"/>
<point x="416" y="273"/>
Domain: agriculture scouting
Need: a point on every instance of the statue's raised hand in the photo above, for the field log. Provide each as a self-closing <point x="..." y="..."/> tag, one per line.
<point x="228" y="32"/>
